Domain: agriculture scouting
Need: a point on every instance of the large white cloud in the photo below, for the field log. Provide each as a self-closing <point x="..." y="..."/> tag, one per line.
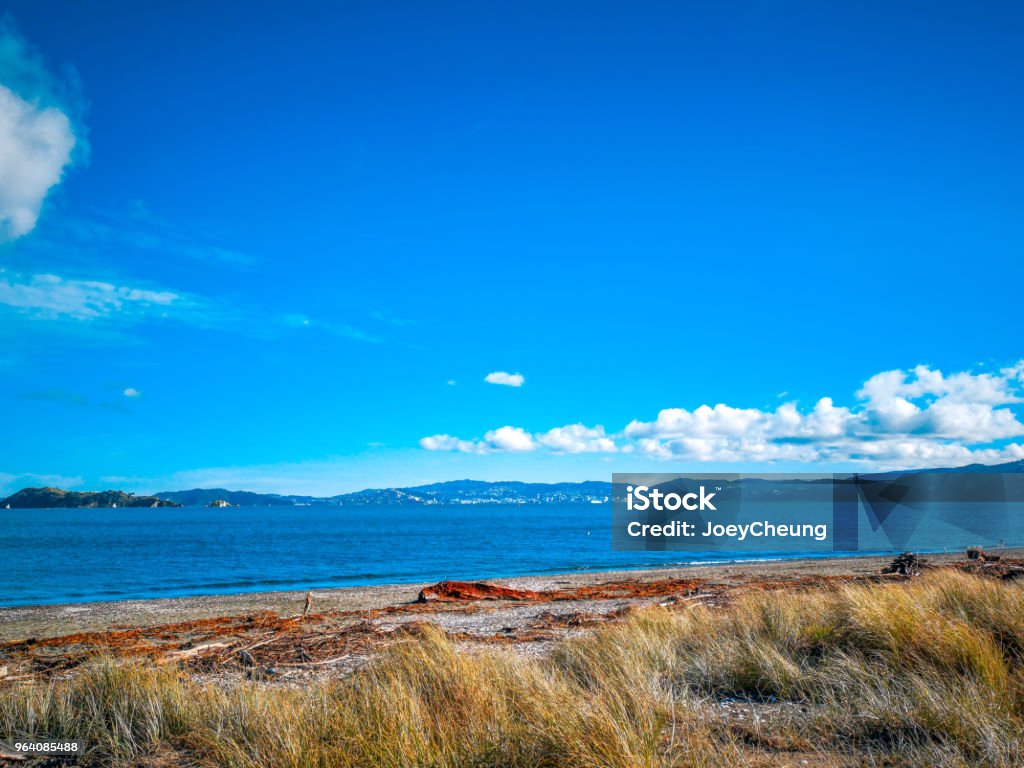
<point x="37" y="136"/>
<point x="35" y="148"/>
<point x="901" y="418"/>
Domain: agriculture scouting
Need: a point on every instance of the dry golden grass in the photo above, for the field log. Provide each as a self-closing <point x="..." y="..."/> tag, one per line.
<point x="927" y="673"/>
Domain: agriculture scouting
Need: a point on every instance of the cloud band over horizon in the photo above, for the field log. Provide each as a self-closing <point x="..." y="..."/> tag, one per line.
<point x="902" y="418"/>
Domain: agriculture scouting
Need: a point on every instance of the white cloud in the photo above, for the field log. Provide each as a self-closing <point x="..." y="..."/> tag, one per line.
<point x="917" y="417"/>
<point x="52" y="297"/>
<point x="37" y="136"/>
<point x="994" y="389"/>
<point x="577" y="438"/>
<point x="509" y="439"/>
<point x="505" y="379"/>
<point x="132" y="392"/>
<point x="449" y="443"/>
<point x="705" y="421"/>
<point x="35" y="147"/>
<point x="512" y="439"/>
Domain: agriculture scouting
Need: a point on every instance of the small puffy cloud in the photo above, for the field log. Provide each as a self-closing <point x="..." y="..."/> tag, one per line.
<point x="505" y="379"/>
<point x="704" y="421"/>
<point x="904" y="418"/>
<point x="509" y="439"/>
<point x="577" y="438"/>
<point x="1014" y="372"/>
<point x="37" y="137"/>
<point x="132" y="392"/>
<point x="449" y="443"/>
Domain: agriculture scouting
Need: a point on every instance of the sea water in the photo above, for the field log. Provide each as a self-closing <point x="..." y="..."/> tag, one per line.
<point x="79" y="555"/>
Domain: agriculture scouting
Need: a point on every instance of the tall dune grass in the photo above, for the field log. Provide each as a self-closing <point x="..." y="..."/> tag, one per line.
<point x="928" y="673"/>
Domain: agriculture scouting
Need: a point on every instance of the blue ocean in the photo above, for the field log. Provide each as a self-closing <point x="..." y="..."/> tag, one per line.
<point x="80" y="555"/>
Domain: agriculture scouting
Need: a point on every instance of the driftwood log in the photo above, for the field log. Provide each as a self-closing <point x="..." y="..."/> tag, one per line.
<point x="196" y="650"/>
<point x="907" y="564"/>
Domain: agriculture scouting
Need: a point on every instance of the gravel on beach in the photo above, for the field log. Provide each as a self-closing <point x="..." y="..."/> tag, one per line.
<point x="45" y="621"/>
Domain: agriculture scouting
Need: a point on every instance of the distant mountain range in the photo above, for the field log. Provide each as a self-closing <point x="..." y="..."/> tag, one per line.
<point x="453" y="492"/>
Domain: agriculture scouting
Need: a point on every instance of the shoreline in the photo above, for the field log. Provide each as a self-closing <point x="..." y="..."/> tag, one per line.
<point x="618" y="570"/>
<point x="59" y="619"/>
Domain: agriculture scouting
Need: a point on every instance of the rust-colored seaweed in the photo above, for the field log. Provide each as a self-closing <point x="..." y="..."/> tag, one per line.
<point x="263" y="643"/>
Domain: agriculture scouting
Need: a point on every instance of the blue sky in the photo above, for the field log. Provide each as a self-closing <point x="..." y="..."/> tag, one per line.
<point x="281" y="246"/>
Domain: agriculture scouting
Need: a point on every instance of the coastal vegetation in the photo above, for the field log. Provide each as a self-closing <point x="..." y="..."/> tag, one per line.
<point x="928" y="671"/>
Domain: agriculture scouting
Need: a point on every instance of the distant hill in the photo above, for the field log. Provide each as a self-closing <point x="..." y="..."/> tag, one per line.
<point x="1012" y="466"/>
<point x="453" y="492"/>
<point x="201" y="497"/>
<point x="481" y="492"/>
<point x="39" y="498"/>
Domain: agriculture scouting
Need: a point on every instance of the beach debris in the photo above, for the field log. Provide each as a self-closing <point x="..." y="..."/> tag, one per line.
<point x="907" y="564"/>
<point x="340" y="641"/>
<point x="245" y="658"/>
<point x="458" y="591"/>
<point x="12" y="757"/>
<point x="977" y="553"/>
<point x="196" y="650"/>
<point x="309" y="604"/>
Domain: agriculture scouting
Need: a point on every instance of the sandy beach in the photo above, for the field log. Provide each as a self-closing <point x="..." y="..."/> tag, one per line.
<point x="46" y="621"/>
<point x="342" y="628"/>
